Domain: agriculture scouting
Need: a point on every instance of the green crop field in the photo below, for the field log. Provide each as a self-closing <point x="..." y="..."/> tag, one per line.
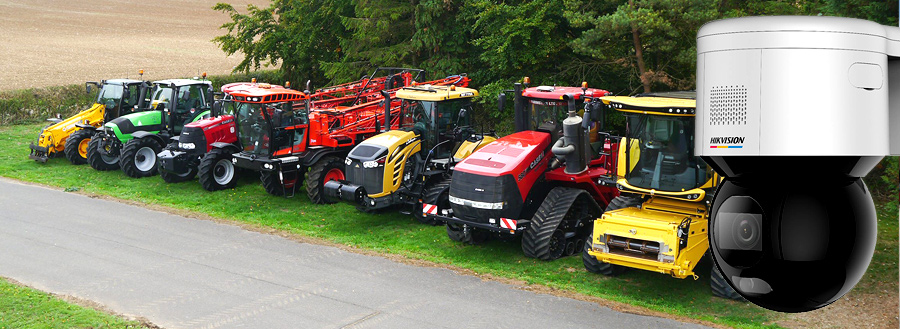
<point x="396" y="234"/>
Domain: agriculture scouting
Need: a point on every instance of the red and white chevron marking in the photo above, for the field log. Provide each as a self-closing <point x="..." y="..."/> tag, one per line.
<point x="508" y="223"/>
<point x="429" y="209"/>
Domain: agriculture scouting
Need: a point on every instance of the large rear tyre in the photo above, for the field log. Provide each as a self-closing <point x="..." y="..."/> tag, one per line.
<point x="721" y="288"/>
<point x="98" y="161"/>
<point x="273" y="185"/>
<point x="216" y="170"/>
<point x="139" y="157"/>
<point x="562" y="221"/>
<point x="593" y="265"/>
<point x="437" y="194"/>
<point x="77" y="146"/>
<point x="169" y="177"/>
<point x="326" y="169"/>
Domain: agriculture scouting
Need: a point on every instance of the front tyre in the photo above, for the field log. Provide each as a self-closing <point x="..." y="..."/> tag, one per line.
<point x="139" y="157"/>
<point x="593" y="265"/>
<point x="76" y="148"/>
<point x="99" y="157"/>
<point x="216" y="170"/>
<point x="170" y="177"/>
<point x="326" y="169"/>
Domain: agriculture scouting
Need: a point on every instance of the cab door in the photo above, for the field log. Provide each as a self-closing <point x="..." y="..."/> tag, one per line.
<point x="290" y="128"/>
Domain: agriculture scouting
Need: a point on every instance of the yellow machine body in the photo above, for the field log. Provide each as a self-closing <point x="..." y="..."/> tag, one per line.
<point x="53" y="137"/>
<point x="668" y="231"/>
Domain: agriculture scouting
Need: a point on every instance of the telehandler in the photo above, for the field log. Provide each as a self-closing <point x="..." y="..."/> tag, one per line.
<point x="71" y="136"/>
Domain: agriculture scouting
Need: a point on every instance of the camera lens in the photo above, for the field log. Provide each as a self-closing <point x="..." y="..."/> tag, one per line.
<point x="746" y="231"/>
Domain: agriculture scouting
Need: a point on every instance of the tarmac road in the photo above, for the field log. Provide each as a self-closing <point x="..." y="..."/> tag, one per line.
<point x="180" y="272"/>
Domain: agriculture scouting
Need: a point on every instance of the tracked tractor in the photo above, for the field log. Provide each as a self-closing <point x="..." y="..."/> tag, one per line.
<point x="314" y="145"/>
<point x="403" y="166"/>
<point x="205" y="147"/>
<point x="546" y="182"/>
<point x="131" y="142"/>
<point x="659" y="222"/>
<point x="71" y="136"/>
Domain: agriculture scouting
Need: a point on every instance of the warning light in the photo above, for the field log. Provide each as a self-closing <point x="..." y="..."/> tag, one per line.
<point x="287" y="84"/>
<point x="526" y="80"/>
<point x="584" y="84"/>
<point x="253" y="80"/>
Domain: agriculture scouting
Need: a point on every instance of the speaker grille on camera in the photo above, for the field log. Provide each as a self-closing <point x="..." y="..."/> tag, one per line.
<point x="728" y="105"/>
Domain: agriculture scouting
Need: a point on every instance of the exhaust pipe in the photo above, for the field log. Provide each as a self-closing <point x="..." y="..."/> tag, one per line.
<point x="387" y="110"/>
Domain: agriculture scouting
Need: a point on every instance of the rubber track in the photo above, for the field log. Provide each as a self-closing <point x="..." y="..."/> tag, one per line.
<point x="536" y="240"/>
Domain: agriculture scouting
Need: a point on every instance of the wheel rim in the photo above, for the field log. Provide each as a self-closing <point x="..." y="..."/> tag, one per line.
<point x="334" y="174"/>
<point x="557" y="244"/>
<point x="108" y="159"/>
<point x="145" y="159"/>
<point x="83" y="146"/>
<point x="223" y="172"/>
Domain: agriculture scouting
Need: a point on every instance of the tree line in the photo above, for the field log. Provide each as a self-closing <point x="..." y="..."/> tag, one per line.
<point x="626" y="47"/>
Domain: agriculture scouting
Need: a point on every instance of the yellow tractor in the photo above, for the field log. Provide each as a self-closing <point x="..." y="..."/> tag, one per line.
<point x="414" y="163"/>
<point x="659" y="221"/>
<point x="71" y="136"/>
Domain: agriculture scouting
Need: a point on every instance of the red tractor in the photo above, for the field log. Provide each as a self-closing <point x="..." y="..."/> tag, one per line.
<point x="547" y="182"/>
<point x="204" y="149"/>
<point x="284" y="151"/>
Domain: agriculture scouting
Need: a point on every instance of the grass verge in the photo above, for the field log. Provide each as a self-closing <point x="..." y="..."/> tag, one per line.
<point x="23" y="307"/>
<point x="396" y="234"/>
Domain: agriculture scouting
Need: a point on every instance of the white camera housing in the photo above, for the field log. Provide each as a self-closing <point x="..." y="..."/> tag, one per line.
<point x="797" y="86"/>
<point x="793" y="111"/>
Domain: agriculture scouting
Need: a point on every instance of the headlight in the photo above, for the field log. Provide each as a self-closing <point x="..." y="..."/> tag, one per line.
<point x="370" y="164"/>
<point x="186" y="146"/>
<point x="478" y="204"/>
<point x="347" y="161"/>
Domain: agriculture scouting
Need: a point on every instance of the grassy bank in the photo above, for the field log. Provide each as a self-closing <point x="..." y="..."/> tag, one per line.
<point x="401" y="235"/>
<point x="23" y="307"/>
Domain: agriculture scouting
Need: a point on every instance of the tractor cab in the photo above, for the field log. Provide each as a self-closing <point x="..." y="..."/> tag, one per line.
<point x="272" y="120"/>
<point x="181" y="101"/>
<point x="120" y="96"/>
<point x="438" y="115"/>
<point x="660" y="148"/>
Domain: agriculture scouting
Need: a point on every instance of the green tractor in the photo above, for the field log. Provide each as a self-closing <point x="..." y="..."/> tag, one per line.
<point x="131" y="142"/>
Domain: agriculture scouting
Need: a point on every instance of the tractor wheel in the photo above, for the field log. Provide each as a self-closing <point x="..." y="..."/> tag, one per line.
<point x="721" y="288"/>
<point x="139" y="157"/>
<point x="437" y="194"/>
<point x="176" y="178"/>
<point x="470" y="236"/>
<point x="563" y="219"/>
<point x="326" y="169"/>
<point x="216" y="170"/>
<point x="99" y="161"/>
<point x="77" y="146"/>
<point x="273" y="184"/>
<point x="593" y="265"/>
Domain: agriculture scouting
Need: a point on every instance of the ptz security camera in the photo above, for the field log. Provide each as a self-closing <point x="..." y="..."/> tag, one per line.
<point x="793" y="112"/>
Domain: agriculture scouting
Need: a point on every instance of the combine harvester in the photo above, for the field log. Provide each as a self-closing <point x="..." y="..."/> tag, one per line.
<point x="313" y="141"/>
<point x="205" y="147"/>
<point x="71" y="136"/>
<point x="546" y="182"/>
<point x="659" y="222"/>
<point x="404" y="166"/>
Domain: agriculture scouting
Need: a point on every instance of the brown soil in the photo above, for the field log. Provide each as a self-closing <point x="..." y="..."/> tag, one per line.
<point x="60" y="42"/>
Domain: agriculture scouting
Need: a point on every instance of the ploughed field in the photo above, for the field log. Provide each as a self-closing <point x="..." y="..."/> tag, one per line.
<point x="60" y="42"/>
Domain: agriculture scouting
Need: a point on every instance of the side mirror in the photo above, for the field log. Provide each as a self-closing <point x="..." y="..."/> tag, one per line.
<point x="87" y="86"/>
<point x="217" y="108"/>
<point x="462" y="113"/>
<point x="161" y="107"/>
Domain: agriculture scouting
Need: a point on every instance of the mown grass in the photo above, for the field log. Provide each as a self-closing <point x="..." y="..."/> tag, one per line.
<point x="23" y="307"/>
<point x="398" y="234"/>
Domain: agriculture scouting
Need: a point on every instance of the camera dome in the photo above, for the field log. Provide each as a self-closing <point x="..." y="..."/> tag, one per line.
<point x="795" y="244"/>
